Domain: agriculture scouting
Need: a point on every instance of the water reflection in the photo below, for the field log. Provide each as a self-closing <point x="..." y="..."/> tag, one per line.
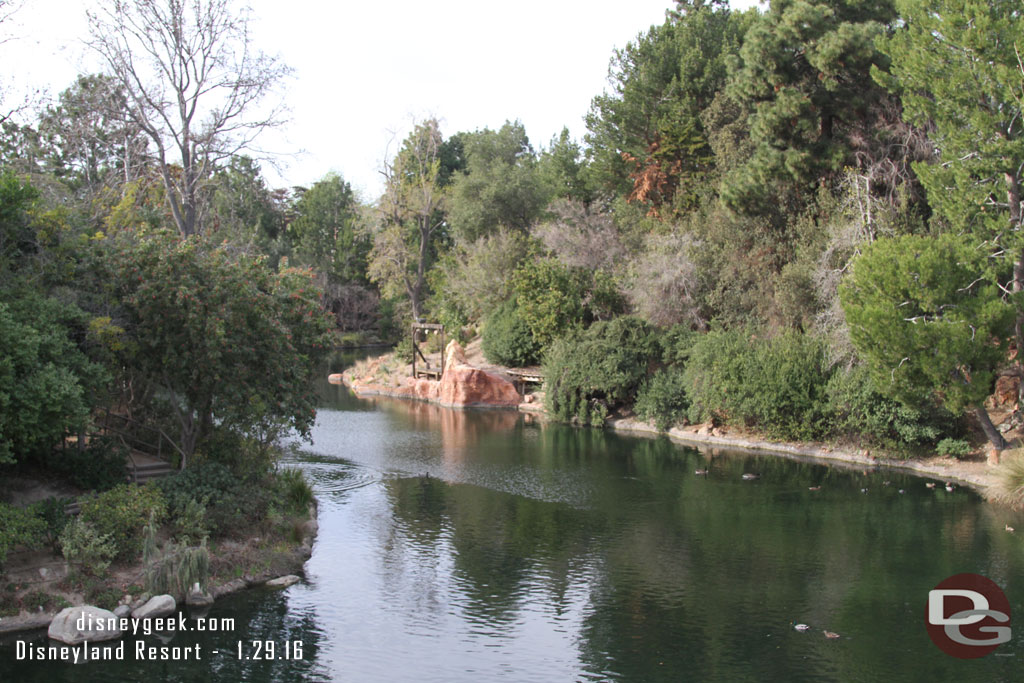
<point x="470" y="545"/>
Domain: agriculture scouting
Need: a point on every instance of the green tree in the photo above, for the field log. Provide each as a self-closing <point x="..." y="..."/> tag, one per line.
<point x="326" y="232"/>
<point x="957" y="67"/>
<point x="245" y="211"/>
<point x="500" y="186"/>
<point x="646" y="138"/>
<point x="926" y="316"/>
<point x="227" y="340"/>
<point x="804" y="73"/>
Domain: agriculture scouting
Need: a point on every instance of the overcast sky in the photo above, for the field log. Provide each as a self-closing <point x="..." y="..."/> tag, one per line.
<point x="364" y="71"/>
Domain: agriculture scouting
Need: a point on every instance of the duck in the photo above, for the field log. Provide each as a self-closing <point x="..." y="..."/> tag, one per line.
<point x="863" y="490"/>
<point x="949" y="486"/>
<point x="930" y="484"/>
<point x="748" y="476"/>
<point x="701" y="473"/>
<point x="1009" y="528"/>
<point x="813" y="488"/>
<point x="902" y="491"/>
<point x="830" y="634"/>
<point x="802" y="627"/>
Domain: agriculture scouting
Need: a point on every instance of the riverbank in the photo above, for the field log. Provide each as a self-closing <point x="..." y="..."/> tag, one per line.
<point x="43" y="584"/>
<point x="386" y="376"/>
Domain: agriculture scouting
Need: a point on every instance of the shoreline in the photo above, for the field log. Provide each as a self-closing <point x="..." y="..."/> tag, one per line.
<point x="296" y="558"/>
<point x="973" y="474"/>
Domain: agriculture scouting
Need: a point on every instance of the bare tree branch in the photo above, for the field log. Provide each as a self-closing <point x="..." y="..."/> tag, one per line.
<point x="193" y="80"/>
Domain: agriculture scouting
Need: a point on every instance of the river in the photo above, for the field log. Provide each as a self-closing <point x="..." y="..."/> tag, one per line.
<point x="482" y="546"/>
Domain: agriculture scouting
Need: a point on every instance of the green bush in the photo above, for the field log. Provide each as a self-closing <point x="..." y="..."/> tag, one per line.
<point x="202" y="481"/>
<point x="507" y="339"/>
<point x="86" y="548"/>
<point x="958" y="448"/>
<point x="662" y="398"/>
<point x="777" y="385"/>
<point x="18" y="527"/>
<point x="589" y="374"/>
<point x="122" y="512"/>
<point x="51" y="512"/>
<point x="295" y="490"/>
<point x="857" y="410"/>
<point x="100" y="466"/>
<point x="676" y="344"/>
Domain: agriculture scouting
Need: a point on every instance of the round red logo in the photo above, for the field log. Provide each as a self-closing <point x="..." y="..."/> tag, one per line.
<point x="968" y="616"/>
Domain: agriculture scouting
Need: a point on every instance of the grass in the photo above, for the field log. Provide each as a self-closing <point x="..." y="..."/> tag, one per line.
<point x="1010" y="478"/>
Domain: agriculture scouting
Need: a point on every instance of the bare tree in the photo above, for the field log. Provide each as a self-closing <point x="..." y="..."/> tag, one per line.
<point x="193" y="80"/>
<point x="410" y="217"/>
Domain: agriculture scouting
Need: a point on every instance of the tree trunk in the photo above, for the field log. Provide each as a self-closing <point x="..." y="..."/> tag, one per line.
<point x="1014" y="200"/>
<point x="994" y="437"/>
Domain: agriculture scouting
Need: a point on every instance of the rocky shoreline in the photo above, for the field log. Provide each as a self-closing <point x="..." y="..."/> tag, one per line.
<point x="291" y="565"/>
<point x="369" y="380"/>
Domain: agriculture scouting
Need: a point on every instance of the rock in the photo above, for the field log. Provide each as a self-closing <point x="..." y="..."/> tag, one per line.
<point x="74" y="625"/>
<point x="197" y="597"/>
<point x="143" y="599"/>
<point x="454" y="354"/>
<point x="1007" y="389"/>
<point x="122" y="611"/>
<point x="993" y="456"/>
<point x="335" y="378"/>
<point x="283" y="581"/>
<point x="230" y="587"/>
<point x="157" y="606"/>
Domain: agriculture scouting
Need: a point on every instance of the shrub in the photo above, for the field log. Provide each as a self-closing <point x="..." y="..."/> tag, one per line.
<point x="507" y="339"/>
<point x="122" y="512"/>
<point x="18" y="527"/>
<point x="591" y="373"/>
<point x="51" y="512"/>
<point x="777" y="385"/>
<point x="86" y="548"/>
<point x="662" y="398"/>
<point x="175" y="568"/>
<point x="100" y="466"/>
<point x="857" y="410"/>
<point x="295" y="490"/>
<point x="957" y="448"/>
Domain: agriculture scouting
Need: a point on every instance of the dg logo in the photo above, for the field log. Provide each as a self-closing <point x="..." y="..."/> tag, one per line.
<point x="968" y="616"/>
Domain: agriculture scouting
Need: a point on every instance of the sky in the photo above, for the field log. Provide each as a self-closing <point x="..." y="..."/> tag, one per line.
<point x="364" y="71"/>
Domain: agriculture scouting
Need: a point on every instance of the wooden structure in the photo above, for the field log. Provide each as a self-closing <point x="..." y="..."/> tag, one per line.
<point x="429" y="371"/>
<point x="523" y="376"/>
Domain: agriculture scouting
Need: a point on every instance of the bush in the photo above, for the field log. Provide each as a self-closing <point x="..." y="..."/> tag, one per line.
<point x="662" y="398"/>
<point x="507" y="339"/>
<point x="51" y="512"/>
<point x="857" y="410"/>
<point x="100" y="466"/>
<point x="591" y="373"/>
<point x="122" y="513"/>
<point x="18" y="527"/>
<point x="86" y="548"/>
<point x="958" y="448"/>
<point x="777" y="385"/>
<point x="295" y="490"/>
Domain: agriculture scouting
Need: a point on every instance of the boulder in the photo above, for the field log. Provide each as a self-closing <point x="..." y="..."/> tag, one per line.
<point x="283" y="581"/>
<point x="463" y="386"/>
<point x="123" y="611"/>
<point x="454" y="354"/>
<point x="157" y="606"/>
<point x="74" y="625"/>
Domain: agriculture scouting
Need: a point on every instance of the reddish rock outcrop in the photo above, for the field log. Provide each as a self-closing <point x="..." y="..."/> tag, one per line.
<point x="464" y="386"/>
<point x="461" y="385"/>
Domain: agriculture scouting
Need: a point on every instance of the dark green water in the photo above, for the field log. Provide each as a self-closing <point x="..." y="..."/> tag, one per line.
<point x="475" y="546"/>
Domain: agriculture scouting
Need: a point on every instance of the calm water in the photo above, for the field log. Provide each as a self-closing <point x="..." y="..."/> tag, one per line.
<point x="476" y="546"/>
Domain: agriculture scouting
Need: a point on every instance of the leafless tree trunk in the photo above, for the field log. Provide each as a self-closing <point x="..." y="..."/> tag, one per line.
<point x="192" y="78"/>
